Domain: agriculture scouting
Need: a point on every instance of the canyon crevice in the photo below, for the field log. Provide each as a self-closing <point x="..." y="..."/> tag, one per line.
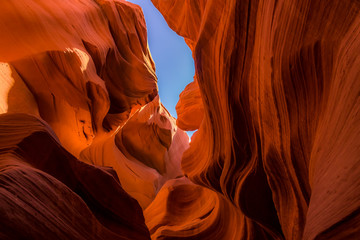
<point x="88" y="151"/>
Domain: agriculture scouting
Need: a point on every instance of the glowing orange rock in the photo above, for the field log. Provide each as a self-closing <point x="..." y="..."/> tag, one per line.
<point x="145" y="152"/>
<point x="280" y="133"/>
<point x="190" y="109"/>
<point x="183" y="209"/>
<point x="46" y="192"/>
<point x="84" y="67"/>
<point x="85" y="63"/>
<point x="275" y="102"/>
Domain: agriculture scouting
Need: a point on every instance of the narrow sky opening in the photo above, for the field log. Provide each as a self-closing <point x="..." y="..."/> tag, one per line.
<point x="172" y="57"/>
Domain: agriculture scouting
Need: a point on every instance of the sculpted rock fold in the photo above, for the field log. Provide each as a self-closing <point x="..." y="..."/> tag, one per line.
<point x="190" y="109"/>
<point x="84" y="67"/>
<point x="145" y="152"/>
<point x="52" y="194"/>
<point x="275" y="99"/>
<point x="85" y="58"/>
<point x="278" y="80"/>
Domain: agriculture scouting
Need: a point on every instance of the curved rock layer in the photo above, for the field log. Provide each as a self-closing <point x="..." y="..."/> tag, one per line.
<point x="145" y="152"/>
<point x="190" y="108"/>
<point x="184" y="210"/>
<point x="47" y="193"/>
<point x="84" y="68"/>
<point x="275" y="99"/>
<point x="86" y="64"/>
<point x="279" y="82"/>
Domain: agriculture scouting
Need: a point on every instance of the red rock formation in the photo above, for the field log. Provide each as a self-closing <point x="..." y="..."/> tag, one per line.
<point x="47" y="193"/>
<point x="190" y="109"/>
<point x="275" y="100"/>
<point x="145" y="152"/>
<point x="280" y="134"/>
<point x="79" y="60"/>
<point x="84" y="67"/>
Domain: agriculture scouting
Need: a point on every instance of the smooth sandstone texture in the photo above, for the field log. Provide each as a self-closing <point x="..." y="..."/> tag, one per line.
<point x="279" y="82"/>
<point x="47" y="193"/>
<point x="145" y="152"/>
<point x="80" y="60"/>
<point x="87" y="150"/>
<point x="84" y="68"/>
<point x="190" y="109"/>
<point x="183" y="209"/>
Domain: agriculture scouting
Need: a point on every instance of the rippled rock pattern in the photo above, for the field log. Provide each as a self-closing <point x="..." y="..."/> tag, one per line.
<point x="88" y="151"/>
<point x="280" y="85"/>
<point x="80" y="72"/>
<point x="47" y="193"/>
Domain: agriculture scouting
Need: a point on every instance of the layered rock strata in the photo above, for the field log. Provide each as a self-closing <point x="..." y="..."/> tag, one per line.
<point x="47" y="193"/>
<point x="279" y="138"/>
<point x="87" y="150"/>
<point x="99" y="143"/>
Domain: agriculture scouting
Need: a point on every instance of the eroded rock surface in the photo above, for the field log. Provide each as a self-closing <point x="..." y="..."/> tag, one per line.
<point x="85" y="69"/>
<point x="87" y="150"/>
<point x="47" y="193"/>
<point x="190" y="108"/>
<point x="279" y="82"/>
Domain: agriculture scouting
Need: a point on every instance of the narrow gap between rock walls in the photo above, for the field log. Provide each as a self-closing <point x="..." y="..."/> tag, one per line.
<point x="173" y="58"/>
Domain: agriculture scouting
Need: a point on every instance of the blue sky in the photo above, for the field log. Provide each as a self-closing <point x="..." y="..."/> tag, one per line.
<point x="172" y="57"/>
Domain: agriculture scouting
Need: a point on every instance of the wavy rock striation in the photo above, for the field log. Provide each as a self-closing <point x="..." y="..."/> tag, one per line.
<point x="86" y="64"/>
<point x="145" y="152"/>
<point x="190" y="108"/>
<point x="280" y="133"/>
<point x="46" y="192"/>
<point x="87" y="150"/>
<point x="84" y="68"/>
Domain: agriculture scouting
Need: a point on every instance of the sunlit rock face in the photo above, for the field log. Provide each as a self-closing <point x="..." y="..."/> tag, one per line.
<point x="190" y="108"/>
<point x="279" y="138"/>
<point x="85" y="142"/>
<point x="82" y="61"/>
<point x="88" y="151"/>
<point x="145" y="152"/>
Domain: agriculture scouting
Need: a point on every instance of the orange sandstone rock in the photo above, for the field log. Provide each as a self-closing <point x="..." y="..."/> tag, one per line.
<point x="83" y="62"/>
<point x="145" y="152"/>
<point x="47" y="193"/>
<point x="186" y="210"/>
<point x="275" y="102"/>
<point x="83" y="67"/>
<point x="190" y="109"/>
<point x="280" y="133"/>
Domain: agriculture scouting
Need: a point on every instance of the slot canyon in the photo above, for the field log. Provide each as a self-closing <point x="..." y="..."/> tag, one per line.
<point x="89" y="151"/>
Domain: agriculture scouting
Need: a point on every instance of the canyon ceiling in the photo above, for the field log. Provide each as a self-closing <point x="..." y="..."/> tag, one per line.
<point x="88" y="151"/>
